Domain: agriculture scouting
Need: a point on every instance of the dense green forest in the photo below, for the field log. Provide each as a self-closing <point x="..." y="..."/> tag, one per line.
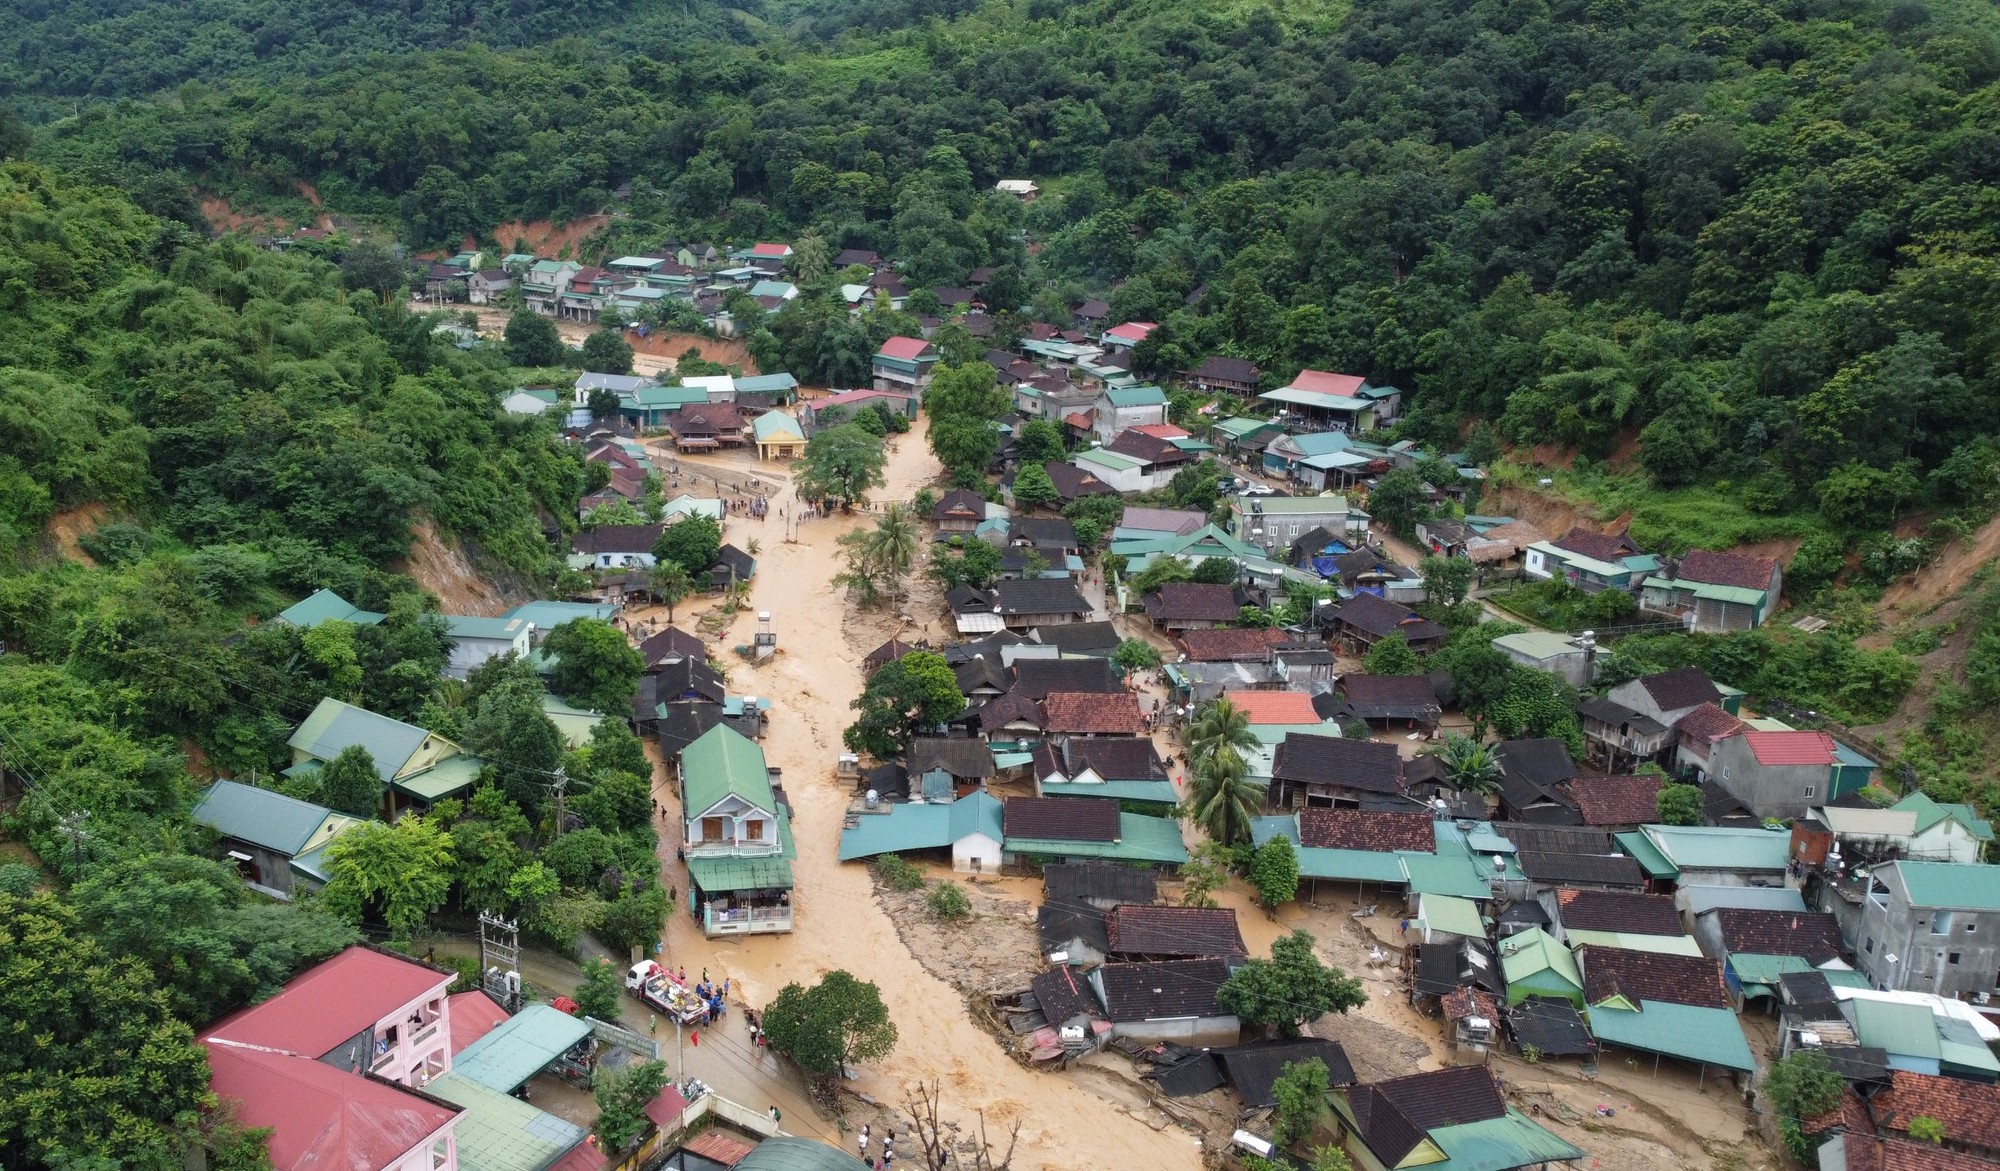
<point x="1757" y="238"/>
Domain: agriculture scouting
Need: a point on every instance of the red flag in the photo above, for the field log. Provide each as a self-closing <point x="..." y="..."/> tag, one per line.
<point x="695" y="1036"/>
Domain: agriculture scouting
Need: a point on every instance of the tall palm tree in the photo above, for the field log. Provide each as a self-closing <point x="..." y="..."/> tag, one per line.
<point x="671" y="584"/>
<point x="1223" y="798"/>
<point x="1219" y="725"/>
<point x="893" y="544"/>
<point x="1470" y="766"/>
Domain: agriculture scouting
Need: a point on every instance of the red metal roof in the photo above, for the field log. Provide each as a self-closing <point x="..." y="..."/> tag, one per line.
<point x="1791" y="747"/>
<point x="332" y="1002"/>
<point x="1132" y="330"/>
<point x="1320" y="382"/>
<point x="323" y="1118"/>
<point x="473" y="1015"/>
<point x="778" y="250"/>
<point x="720" y="1146"/>
<point x="1080" y="420"/>
<point x="1274" y="707"/>
<point x="665" y="1111"/>
<point x="907" y="348"/>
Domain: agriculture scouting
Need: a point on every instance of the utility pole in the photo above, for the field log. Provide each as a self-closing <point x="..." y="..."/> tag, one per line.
<point x="72" y="826"/>
<point x="560" y="786"/>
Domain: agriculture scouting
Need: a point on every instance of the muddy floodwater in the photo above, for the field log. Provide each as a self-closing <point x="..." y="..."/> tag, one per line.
<point x="838" y="923"/>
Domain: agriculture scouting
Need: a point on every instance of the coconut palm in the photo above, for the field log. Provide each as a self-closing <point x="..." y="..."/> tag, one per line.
<point x="671" y="584"/>
<point x="892" y="546"/>
<point x="1217" y="726"/>
<point x="1223" y="798"/>
<point x="1470" y="766"/>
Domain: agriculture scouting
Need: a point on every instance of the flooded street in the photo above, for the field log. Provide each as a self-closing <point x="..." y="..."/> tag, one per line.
<point x="839" y="924"/>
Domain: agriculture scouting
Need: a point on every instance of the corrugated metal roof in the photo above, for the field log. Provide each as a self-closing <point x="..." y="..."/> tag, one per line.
<point x="502" y="1133"/>
<point x="1695" y="847"/>
<point x="334" y="726"/>
<point x="921" y="827"/>
<point x="1895" y="823"/>
<point x="1513" y="1140"/>
<point x="260" y="816"/>
<point x="770" y="872"/>
<point x="1907" y="1030"/>
<point x="519" y="1047"/>
<point x="326" y="606"/>
<point x="1140" y="839"/>
<point x="1946" y="884"/>
<point x="721" y="763"/>
<point x="1712" y="1036"/>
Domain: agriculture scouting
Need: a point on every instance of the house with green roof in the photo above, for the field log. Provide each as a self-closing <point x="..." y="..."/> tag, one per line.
<point x="779" y="436"/>
<point x="1131" y="406"/>
<point x="1701" y="855"/>
<point x="1244" y="434"/>
<point x="737" y="837"/>
<point x="1534" y="964"/>
<point x="419" y="767"/>
<point x="1451" y="1119"/>
<point x="475" y="640"/>
<point x="970" y="828"/>
<point x="326" y="606"/>
<point x="1926" y="927"/>
<point x="262" y="833"/>
<point x="1121" y="471"/>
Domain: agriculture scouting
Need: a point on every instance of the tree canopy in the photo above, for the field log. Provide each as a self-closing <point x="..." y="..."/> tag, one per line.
<point x="838" y="1022"/>
<point x="1289" y="990"/>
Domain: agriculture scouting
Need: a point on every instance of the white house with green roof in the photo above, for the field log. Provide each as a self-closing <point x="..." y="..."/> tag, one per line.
<point x="737" y="838"/>
<point x="1122" y="472"/>
<point x="1132" y="406"/>
<point x="475" y="640"/>
<point x="419" y="767"/>
<point x="268" y="837"/>
<point x="326" y="606"/>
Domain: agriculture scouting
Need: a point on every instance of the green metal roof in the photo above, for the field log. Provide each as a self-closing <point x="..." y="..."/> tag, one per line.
<point x="1161" y="792"/>
<point x="1906" y="1030"/>
<point x="574" y="723"/>
<point x="334" y="726"/>
<point x="326" y="606"/>
<point x="721" y="763"/>
<point x="921" y="827"/>
<point x="1538" y="644"/>
<point x="448" y="777"/>
<point x="777" y="424"/>
<point x="1140" y="839"/>
<point x="1241" y="425"/>
<point x="502" y="1133"/>
<point x="1647" y="855"/>
<point x="312" y="864"/>
<point x="1701" y="847"/>
<point x="668" y="396"/>
<point x="1845" y="978"/>
<point x="765" y="383"/>
<point x="1961" y="1050"/>
<point x="1673" y="945"/>
<point x="261" y="817"/>
<point x="1498" y="1144"/>
<point x="1759" y="973"/>
<point x="1136" y="396"/>
<point x="460" y="626"/>
<point x="766" y="872"/>
<point x="519" y="1047"/>
<point x="1711" y="1036"/>
<point x="797" y="1154"/>
<point x="1535" y="950"/>
<point x="549" y="615"/>
<point x="1452" y="915"/>
<point x="1930" y="812"/>
<point x="1950" y="884"/>
<point x="1448" y="874"/>
<point x="1116" y="461"/>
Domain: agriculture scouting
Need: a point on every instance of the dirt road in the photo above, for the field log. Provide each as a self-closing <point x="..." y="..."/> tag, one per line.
<point x="839" y="924"/>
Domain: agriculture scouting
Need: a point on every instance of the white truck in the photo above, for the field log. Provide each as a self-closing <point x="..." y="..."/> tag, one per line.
<point x="658" y="988"/>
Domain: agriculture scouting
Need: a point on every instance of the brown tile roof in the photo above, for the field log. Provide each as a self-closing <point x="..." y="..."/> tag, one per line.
<point x="959" y="504"/>
<point x="1679" y="688"/>
<point x="1115" y="758"/>
<point x="1358" y="829"/>
<point x="1649" y="975"/>
<point x="1334" y="760"/>
<point x="1060" y="819"/>
<point x="960" y="756"/>
<point x="720" y="1146"/>
<point x="1192" y="602"/>
<point x="1467" y="1001"/>
<point x="1391" y="697"/>
<point x="1063" y="994"/>
<point x="1274" y="707"/>
<point x="1175" y="932"/>
<point x="1813" y="936"/>
<point x="1605" y="910"/>
<point x="1164" y="989"/>
<point x="1093" y="713"/>
<point x="1013" y="707"/>
<point x="1038" y="678"/>
<point x="1898" y="1154"/>
<point x="1072" y="481"/>
<point x="1851" y="1115"/>
<point x="1228" y="369"/>
<point x="1394" y="1116"/>
<point x="1970" y="1111"/>
<point x="1373" y="614"/>
<point x="1099" y="880"/>
<point x="1726" y="569"/>
<point x="1630" y="800"/>
<point x="1230" y="644"/>
<point x="1708" y="724"/>
<point x="1597" y="546"/>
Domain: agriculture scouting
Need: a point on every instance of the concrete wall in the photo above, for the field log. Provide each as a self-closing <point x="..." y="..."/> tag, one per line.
<point x="1196" y="1032"/>
<point x="1924" y="945"/>
<point x="977" y="854"/>
<point x="1770" y="790"/>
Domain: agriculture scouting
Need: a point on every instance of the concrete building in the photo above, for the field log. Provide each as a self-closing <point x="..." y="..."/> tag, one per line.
<point x="1928" y="927"/>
